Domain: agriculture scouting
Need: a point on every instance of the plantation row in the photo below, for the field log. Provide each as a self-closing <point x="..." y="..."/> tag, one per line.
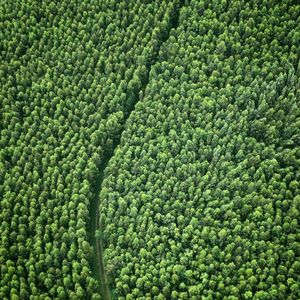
<point x="70" y="73"/>
<point x="201" y="199"/>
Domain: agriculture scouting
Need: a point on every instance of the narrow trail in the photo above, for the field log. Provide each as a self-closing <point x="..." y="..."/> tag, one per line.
<point x="94" y="225"/>
<point x="97" y="261"/>
<point x="104" y="284"/>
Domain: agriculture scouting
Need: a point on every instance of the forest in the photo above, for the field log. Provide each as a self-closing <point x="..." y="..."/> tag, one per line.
<point x="149" y="149"/>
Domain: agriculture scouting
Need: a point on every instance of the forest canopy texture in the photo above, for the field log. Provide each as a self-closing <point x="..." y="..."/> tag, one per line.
<point x="149" y="149"/>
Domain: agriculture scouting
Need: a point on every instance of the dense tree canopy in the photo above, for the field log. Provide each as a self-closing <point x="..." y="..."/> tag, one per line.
<point x="70" y="72"/>
<point x="201" y="199"/>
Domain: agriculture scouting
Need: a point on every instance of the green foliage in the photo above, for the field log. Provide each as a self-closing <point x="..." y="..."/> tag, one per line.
<point x="69" y="72"/>
<point x="201" y="197"/>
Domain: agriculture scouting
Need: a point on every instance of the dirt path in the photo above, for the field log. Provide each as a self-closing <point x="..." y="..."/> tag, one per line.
<point x="99" y="248"/>
<point x="97" y="262"/>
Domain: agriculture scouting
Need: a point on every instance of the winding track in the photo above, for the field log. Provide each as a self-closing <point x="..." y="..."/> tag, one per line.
<point x="97" y="264"/>
<point x="99" y="248"/>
